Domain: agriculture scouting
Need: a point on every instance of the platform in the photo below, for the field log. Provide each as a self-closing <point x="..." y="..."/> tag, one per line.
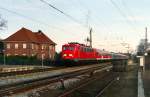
<point x="146" y="82"/>
<point x="11" y="68"/>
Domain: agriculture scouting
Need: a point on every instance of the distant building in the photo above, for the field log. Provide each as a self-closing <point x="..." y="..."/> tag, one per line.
<point x="27" y="43"/>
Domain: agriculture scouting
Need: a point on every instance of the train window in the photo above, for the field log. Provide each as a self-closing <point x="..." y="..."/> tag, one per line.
<point x="68" y="48"/>
<point x="86" y="49"/>
<point x="89" y="49"/>
<point x="71" y="48"/>
<point x="65" y="48"/>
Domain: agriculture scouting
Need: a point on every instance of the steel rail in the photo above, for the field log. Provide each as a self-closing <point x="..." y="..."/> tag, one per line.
<point x="67" y="93"/>
<point x="102" y="91"/>
<point x="31" y="84"/>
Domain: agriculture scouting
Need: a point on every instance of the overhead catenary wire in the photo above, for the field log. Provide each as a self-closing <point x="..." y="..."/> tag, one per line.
<point x="34" y="20"/>
<point x="62" y="12"/>
<point x="96" y="18"/>
<point x="87" y="9"/>
<point x="29" y="18"/>
<point x="130" y="13"/>
<point x="61" y="29"/>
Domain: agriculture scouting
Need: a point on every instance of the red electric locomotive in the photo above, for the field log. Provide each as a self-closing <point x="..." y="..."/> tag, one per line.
<point x="80" y="52"/>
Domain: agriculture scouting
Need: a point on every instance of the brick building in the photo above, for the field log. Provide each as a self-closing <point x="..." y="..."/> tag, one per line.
<point x="27" y="43"/>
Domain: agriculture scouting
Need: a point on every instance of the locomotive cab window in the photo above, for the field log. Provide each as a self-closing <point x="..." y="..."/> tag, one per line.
<point x="68" y="48"/>
<point x="65" y="48"/>
<point x="71" y="48"/>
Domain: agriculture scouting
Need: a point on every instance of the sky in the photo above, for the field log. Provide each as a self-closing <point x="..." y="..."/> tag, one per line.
<point x="116" y="24"/>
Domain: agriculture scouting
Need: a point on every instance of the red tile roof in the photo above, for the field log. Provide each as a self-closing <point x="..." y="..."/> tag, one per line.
<point x="28" y="36"/>
<point x="42" y="38"/>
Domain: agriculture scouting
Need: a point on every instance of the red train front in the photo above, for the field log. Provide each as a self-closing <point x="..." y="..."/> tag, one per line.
<point x="70" y="51"/>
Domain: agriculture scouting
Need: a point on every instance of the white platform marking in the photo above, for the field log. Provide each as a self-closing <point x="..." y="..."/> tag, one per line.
<point x="140" y="86"/>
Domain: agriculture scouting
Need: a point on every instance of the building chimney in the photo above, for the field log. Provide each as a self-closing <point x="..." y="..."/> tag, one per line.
<point x="39" y="31"/>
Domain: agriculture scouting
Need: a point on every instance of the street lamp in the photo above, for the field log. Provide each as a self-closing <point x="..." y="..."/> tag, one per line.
<point x="146" y="54"/>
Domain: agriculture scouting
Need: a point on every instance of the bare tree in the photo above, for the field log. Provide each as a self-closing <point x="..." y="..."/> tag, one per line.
<point x="3" y="23"/>
<point x="140" y="48"/>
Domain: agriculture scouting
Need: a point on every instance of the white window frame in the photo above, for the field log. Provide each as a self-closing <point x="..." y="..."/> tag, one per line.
<point x="16" y="54"/>
<point x="16" y="45"/>
<point x="7" y="54"/>
<point x="32" y="46"/>
<point x="8" y="45"/>
<point x="32" y="55"/>
<point x="24" y="54"/>
<point x="24" y="45"/>
<point x="42" y="47"/>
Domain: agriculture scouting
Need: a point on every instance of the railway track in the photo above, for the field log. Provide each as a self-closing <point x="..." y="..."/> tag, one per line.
<point x="23" y="72"/>
<point x="90" y="87"/>
<point x="36" y="83"/>
<point x="102" y="90"/>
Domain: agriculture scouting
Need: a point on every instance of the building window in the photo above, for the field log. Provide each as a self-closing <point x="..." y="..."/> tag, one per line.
<point x="32" y="46"/>
<point x="8" y="46"/>
<point x="24" y="46"/>
<point x="46" y="47"/>
<point x="24" y="54"/>
<point x="16" y="46"/>
<point x="16" y="54"/>
<point x="7" y="54"/>
<point x="42" y="47"/>
<point x="32" y="55"/>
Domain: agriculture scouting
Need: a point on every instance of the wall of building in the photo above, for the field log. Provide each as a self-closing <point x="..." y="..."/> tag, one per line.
<point x="45" y="51"/>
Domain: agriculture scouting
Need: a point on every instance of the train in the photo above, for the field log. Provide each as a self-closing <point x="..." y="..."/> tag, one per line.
<point x="76" y="52"/>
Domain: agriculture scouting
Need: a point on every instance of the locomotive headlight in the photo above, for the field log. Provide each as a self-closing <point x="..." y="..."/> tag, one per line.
<point x="65" y="55"/>
<point x="70" y="55"/>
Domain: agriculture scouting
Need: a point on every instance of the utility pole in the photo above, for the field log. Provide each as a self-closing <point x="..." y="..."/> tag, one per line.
<point x="90" y="37"/>
<point x="87" y="24"/>
<point x="146" y="44"/>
